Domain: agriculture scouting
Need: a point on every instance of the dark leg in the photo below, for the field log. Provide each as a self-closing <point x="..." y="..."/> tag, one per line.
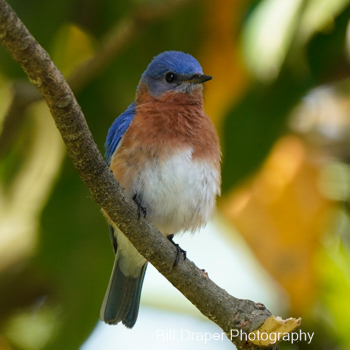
<point x="179" y="250"/>
<point x="142" y="210"/>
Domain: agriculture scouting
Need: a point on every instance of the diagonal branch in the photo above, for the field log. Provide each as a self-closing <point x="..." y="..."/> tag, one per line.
<point x="226" y="311"/>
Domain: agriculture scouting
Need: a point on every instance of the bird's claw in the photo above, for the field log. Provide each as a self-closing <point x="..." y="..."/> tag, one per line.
<point x="179" y="250"/>
<point x="141" y="209"/>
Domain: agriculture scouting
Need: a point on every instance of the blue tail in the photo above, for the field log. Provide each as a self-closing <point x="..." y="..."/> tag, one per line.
<point x="122" y="299"/>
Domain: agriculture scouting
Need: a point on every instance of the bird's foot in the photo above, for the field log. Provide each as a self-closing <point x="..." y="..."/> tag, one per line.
<point x="141" y="209"/>
<point x="179" y="250"/>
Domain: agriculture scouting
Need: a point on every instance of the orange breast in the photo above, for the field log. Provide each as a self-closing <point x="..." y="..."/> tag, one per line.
<point x="162" y="127"/>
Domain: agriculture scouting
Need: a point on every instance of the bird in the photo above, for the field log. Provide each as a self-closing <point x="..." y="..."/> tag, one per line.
<point x="164" y="150"/>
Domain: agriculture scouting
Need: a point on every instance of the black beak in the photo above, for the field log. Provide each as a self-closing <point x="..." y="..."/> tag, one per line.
<point x="199" y="78"/>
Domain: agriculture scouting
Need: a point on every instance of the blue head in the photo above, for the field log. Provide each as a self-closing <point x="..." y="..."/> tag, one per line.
<point x="173" y="71"/>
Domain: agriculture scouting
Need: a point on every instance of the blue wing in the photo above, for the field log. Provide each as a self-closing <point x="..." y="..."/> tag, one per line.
<point x="115" y="133"/>
<point x="117" y="130"/>
<point x="122" y="299"/>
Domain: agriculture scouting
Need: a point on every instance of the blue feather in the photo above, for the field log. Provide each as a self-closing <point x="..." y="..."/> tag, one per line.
<point x="117" y="130"/>
<point x="180" y="63"/>
<point x="122" y="299"/>
<point x="175" y="61"/>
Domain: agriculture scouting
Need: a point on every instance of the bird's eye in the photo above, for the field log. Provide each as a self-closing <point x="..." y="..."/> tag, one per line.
<point x="170" y="77"/>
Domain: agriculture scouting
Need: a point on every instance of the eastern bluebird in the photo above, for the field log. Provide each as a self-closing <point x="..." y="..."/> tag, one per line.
<point x="164" y="150"/>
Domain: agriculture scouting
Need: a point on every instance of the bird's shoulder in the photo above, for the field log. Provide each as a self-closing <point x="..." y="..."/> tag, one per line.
<point x="118" y="129"/>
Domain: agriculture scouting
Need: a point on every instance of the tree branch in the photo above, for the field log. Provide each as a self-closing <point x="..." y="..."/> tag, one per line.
<point x="226" y="311"/>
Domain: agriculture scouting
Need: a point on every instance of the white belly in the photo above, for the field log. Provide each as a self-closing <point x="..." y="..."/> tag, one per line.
<point x="178" y="194"/>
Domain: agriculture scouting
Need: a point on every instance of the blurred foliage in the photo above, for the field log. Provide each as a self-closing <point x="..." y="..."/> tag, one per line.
<point x="280" y="100"/>
<point x="276" y="199"/>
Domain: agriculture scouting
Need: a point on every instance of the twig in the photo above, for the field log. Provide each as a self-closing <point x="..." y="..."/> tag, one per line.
<point x="119" y="37"/>
<point x="24" y="95"/>
<point x="226" y="311"/>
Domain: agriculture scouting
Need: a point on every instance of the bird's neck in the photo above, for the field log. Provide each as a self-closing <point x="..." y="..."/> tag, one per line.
<point x="170" y="98"/>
